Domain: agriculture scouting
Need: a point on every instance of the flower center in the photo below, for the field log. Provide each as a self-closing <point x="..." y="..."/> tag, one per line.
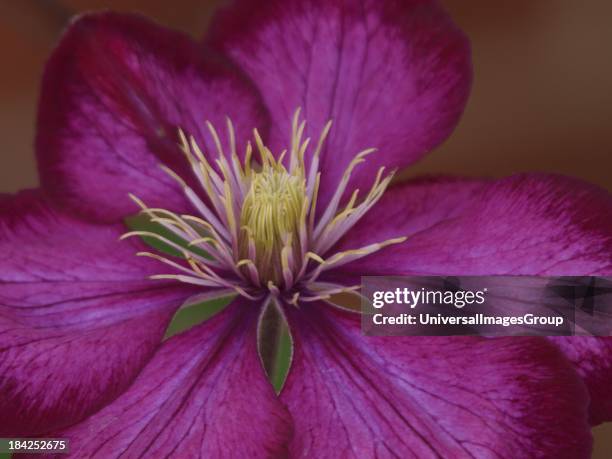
<point x="270" y="216"/>
<point x="254" y="230"/>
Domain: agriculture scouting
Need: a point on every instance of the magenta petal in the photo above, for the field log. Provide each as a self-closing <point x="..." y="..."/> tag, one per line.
<point x="204" y="394"/>
<point x="593" y="359"/>
<point x="78" y="316"/>
<point x="114" y="94"/>
<point x="531" y="224"/>
<point x="525" y="224"/>
<point x="429" y="397"/>
<point x="391" y="74"/>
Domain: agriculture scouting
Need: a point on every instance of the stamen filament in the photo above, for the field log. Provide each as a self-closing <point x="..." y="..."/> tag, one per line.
<point x="258" y="221"/>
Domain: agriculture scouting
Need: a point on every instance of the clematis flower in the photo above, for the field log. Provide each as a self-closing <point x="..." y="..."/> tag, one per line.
<point x="258" y="210"/>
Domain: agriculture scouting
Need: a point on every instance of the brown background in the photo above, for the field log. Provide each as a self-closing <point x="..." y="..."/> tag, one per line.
<point x="542" y="96"/>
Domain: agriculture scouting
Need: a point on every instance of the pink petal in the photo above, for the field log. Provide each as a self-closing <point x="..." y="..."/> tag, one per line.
<point x="391" y="74"/>
<point x="114" y="93"/>
<point x="593" y="359"/>
<point x="204" y="394"/>
<point x="78" y="316"/>
<point x="525" y="224"/>
<point x="529" y="224"/>
<point x="429" y="397"/>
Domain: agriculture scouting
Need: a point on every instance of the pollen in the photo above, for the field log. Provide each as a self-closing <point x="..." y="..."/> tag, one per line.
<point x="256" y="230"/>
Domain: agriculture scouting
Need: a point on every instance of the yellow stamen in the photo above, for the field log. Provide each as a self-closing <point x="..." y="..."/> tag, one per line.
<point x="257" y="220"/>
<point x="271" y="212"/>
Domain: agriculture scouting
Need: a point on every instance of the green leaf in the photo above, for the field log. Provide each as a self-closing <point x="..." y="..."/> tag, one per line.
<point x="187" y="317"/>
<point x="274" y="344"/>
<point x="351" y="301"/>
<point x="284" y="354"/>
<point x="142" y="222"/>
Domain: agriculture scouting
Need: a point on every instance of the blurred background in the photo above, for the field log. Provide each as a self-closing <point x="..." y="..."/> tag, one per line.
<point x="542" y="95"/>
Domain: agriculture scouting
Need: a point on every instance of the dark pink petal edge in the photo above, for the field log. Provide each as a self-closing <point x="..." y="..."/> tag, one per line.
<point x="391" y="74"/>
<point x="114" y="94"/>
